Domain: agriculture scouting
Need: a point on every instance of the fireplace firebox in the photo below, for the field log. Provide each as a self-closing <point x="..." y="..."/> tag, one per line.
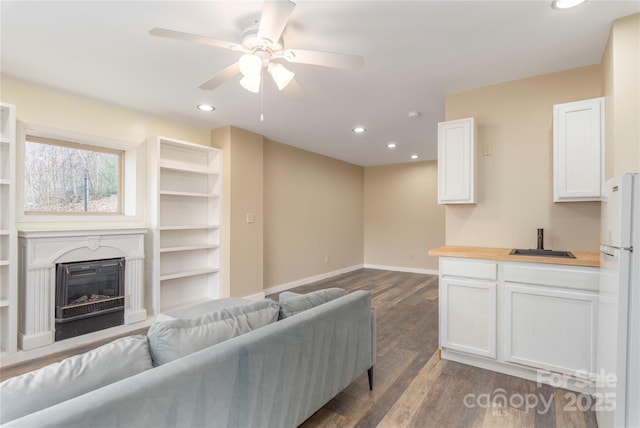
<point x="89" y="296"/>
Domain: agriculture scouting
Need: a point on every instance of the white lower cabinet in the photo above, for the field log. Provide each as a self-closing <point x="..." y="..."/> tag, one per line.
<point x="550" y="329"/>
<point x="468" y="306"/>
<point x="522" y="319"/>
<point x="470" y="322"/>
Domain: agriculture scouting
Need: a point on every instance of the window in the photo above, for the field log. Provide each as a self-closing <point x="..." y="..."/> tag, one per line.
<point x="67" y="178"/>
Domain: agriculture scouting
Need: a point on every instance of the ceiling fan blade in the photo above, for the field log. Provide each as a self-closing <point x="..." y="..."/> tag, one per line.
<point x="294" y="90"/>
<point x="275" y="15"/>
<point x="326" y="59"/>
<point x="195" y="38"/>
<point x="221" y="77"/>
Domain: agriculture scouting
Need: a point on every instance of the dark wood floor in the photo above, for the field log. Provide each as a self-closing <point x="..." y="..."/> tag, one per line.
<point x="413" y="387"/>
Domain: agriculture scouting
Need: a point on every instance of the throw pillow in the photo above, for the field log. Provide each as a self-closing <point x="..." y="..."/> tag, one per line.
<point x="74" y="376"/>
<point x="173" y="339"/>
<point x="291" y="305"/>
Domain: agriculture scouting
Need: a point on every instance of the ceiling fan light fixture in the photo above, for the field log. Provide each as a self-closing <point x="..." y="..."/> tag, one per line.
<point x="280" y="75"/>
<point x="251" y="83"/>
<point x="250" y="65"/>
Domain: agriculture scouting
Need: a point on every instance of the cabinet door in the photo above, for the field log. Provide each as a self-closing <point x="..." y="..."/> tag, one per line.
<point x="468" y="316"/>
<point x="578" y="150"/>
<point x="456" y="162"/>
<point x="550" y="329"/>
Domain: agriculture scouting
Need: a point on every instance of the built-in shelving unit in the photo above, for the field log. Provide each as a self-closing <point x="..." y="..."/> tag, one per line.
<point x="8" y="242"/>
<point x="184" y="217"/>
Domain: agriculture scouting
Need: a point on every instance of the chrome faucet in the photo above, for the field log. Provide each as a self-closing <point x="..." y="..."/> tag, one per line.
<point x="540" y="239"/>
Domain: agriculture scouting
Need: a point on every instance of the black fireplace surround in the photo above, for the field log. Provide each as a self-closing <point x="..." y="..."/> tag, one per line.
<point x="89" y="296"/>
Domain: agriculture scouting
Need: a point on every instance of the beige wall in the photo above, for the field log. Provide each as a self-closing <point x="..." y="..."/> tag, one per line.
<point x="313" y="209"/>
<point x="69" y="112"/>
<point x="242" y="197"/>
<point x="621" y="88"/>
<point x="516" y="195"/>
<point x="402" y="219"/>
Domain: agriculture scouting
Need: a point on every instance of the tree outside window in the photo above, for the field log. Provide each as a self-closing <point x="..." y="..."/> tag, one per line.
<point x="68" y="178"/>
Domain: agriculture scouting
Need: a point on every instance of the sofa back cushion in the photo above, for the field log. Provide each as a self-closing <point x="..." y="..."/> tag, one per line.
<point x="74" y="376"/>
<point x="293" y="303"/>
<point x="200" y="309"/>
<point x="173" y="339"/>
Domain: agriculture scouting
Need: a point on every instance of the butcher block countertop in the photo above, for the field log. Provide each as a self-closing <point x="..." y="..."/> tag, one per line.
<point x="582" y="258"/>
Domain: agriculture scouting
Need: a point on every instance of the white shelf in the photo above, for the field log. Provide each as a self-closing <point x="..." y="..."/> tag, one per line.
<point x="188" y="273"/>
<point x="8" y="243"/>
<point x="190" y="227"/>
<point x="188" y="248"/>
<point x="184" y="167"/>
<point x="184" y="186"/>
<point x="189" y="194"/>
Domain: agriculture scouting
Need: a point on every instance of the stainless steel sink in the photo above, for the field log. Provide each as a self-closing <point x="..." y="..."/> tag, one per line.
<point x="542" y="253"/>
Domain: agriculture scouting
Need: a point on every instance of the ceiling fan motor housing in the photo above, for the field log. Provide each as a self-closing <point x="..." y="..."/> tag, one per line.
<point x="253" y="43"/>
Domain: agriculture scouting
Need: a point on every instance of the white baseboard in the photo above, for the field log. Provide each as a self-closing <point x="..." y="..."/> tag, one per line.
<point x="284" y="287"/>
<point x="257" y="296"/>
<point x="402" y="269"/>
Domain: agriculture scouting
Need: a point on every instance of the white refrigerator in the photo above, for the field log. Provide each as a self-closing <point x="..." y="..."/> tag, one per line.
<point x="618" y="356"/>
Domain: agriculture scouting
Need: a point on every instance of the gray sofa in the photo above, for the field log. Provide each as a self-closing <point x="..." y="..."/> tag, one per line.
<point x="274" y="376"/>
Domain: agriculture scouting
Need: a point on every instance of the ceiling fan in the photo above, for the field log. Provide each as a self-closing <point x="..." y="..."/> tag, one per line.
<point x="263" y="48"/>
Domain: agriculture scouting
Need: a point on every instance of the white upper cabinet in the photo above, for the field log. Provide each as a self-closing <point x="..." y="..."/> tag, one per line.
<point x="457" y="162"/>
<point x="578" y="150"/>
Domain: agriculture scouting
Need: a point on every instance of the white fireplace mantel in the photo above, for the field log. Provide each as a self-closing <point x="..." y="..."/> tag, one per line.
<point x="40" y="251"/>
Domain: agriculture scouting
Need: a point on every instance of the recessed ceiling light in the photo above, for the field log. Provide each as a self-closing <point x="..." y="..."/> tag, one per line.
<point x="565" y="4"/>
<point x="206" y="107"/>
<point x="359" y="129"/>
<point x="414" y="156"/>
<point x="391" y="145"/>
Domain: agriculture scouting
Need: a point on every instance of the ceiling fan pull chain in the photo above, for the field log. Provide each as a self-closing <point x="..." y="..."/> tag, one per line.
<point x="262" y="94"/>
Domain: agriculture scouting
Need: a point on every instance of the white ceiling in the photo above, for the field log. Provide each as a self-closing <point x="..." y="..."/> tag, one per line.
<point x="415" y="53"/>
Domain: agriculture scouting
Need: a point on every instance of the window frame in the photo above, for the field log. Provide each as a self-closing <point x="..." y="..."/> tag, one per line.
<point x="86" y="147"/>
<point x="133" y="183"/>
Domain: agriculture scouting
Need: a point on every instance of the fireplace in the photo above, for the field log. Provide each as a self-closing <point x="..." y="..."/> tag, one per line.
<point x="41" y="251"/>
<point x="89" y="296"/>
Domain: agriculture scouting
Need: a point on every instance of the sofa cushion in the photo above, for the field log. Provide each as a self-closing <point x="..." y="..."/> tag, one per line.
<point x="199" y="309"/>
<point x="293" y="303"/>
<point x="74" y="376"/>
<point x="173" y="339"/>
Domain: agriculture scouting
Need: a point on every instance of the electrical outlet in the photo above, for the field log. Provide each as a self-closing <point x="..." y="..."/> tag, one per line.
<point x="251" y="218"/>
<point x="326" y="259"/>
